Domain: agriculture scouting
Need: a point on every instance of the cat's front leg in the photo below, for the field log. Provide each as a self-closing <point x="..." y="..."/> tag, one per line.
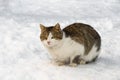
<point x="72" y="64"/>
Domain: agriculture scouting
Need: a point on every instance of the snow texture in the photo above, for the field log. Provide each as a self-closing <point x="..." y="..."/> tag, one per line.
<point x="23" y="57"/>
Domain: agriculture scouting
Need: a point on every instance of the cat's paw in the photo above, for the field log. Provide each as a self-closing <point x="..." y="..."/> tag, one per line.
<point x="60" y="63"/>
<point x="57" y="63"/>
<point x="82" y="62"/>
<point x="73" y="64"/>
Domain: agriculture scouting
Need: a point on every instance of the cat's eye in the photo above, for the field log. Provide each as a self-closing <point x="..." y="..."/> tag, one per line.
<point x="45" y="38"/>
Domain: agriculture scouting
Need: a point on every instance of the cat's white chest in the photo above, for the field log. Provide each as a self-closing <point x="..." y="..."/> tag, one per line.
<point x="66" y="49"/>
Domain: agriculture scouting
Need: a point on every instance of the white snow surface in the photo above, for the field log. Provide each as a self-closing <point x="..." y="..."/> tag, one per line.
<point x="23" y="57"/>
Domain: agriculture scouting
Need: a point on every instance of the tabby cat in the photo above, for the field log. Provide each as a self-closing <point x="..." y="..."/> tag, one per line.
<point x="77" y="43"/>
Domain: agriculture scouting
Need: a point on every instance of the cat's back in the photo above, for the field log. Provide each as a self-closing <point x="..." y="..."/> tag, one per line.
<point x="83" y="34"/>
<point x="79" y="28"/>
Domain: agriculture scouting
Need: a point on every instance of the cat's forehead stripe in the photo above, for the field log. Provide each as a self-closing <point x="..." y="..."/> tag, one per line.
<point x="49" y="36"/>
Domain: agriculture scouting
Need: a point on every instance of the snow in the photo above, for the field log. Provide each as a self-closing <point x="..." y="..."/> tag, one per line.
<point x="23" y="57"/>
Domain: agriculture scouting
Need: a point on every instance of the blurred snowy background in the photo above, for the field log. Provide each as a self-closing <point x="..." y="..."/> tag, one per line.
<point x="22" y="56"/>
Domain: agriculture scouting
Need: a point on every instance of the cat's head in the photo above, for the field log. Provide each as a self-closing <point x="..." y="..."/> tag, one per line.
<point x="51" y="36"/>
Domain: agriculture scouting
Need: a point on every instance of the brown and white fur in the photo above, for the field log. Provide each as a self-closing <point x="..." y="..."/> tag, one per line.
<point x="77" y="43"/>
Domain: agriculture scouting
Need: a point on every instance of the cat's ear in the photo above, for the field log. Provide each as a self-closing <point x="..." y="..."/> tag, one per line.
<point x="57" y="26"/>
<point x="42" y="27"/>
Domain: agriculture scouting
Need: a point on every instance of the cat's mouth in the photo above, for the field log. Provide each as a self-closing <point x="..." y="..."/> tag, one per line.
<point x="48" y="43"/>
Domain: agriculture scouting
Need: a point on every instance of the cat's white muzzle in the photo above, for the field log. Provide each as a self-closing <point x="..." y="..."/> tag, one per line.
<point x="50" y="43"/>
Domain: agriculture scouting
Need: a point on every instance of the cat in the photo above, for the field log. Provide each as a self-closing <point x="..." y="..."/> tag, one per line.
<point x="78" y="43"/>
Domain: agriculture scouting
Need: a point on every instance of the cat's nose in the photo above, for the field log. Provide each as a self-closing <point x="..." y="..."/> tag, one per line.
<point x="48" y="42"/>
